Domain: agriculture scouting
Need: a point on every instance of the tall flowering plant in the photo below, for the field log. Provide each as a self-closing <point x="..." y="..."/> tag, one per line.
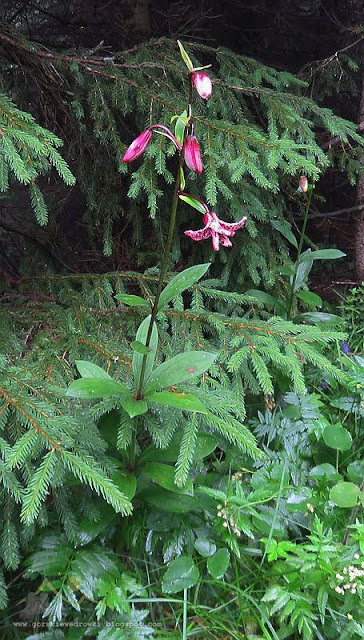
<point x="160" y="385"/>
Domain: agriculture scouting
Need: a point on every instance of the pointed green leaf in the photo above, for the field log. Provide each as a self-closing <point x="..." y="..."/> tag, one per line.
<point x="181" y="574"/>
<point x="196" y="204"/>
<point x="132" y="406"/>
<point x="286" y="270"/>
<point x="182" y="178"/>
<point x="285" y="230"/>
<point x="132" y="301"/>
<point x="319" y="316"/>
<point x="88" y="369"/>
<point x="141" y="336"/>
<point x="179" y="130"/>
<point x="323" y="254"/>
<point x="163" y="474"/>
<point x="181" y="368"/>
<point x="185" y="57"/>
<point x="218" y="563"/>
<point x="181" y="282"/>
<point x="267" y="299"/>
<point x="304" y="267"/>
<point x="92" y="389"/>
<point x="183" y="401"/>
<point x="139" y="347"/>
<point x="309" y="297"/>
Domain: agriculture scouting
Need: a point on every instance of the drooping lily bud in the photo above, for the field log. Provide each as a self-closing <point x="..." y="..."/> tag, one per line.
<point x="303" y="184"/>
<point x="192" y="154"/>
<point x="138" y="146"/>
<point x="203" y="84"/>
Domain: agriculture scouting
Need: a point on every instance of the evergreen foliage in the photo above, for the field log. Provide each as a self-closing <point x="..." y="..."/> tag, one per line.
<point x="28" y="151"/>
<point x="212" y="355"/>
<point x="257" y="135"/>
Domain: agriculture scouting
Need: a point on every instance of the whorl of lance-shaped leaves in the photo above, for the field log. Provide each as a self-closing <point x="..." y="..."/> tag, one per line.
<point x="42" y="442"/>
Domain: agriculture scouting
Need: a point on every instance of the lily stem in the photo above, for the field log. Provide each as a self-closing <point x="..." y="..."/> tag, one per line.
<point x="299" y="251"/>
<point x="167" y="251"/>
<point x="163" y="271"/>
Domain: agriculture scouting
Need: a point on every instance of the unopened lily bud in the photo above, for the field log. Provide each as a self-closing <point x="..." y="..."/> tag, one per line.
<point x="203" y="84"/>
<point x="138" y="146"/>
<point x="303" y="184"/>
<point x="192" y="154"/>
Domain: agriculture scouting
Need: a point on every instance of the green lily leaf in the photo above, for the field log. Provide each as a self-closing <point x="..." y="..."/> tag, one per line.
<point x="141" y="336"/>
<point x="183" y="401"/>
<point x="179" y="129"/>
<point x="322" y="254"/>
<point x="309" y="297"/>
<point x="185" y="57"/>
<point x="88" y="369"/>
<point x="132" y="406"/>
<point x="132" y="301"/>
<point x="285" y="230"/>
<point x="181" y="368"/>
<point x="181" y="282"/>
<point x="139" y="347"/>
<point x="196" y="204"/>
<point x="92" y="389"/>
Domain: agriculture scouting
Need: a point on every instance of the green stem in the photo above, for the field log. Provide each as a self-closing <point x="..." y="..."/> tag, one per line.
<point x="184" y="627"/>
<point x="163" y="271"/>
<point x="166" y="256"/>
<point x="299" y="251"/>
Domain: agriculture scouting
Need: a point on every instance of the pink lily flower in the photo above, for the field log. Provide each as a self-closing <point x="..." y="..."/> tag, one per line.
<point x="203" y="84"/>
<point x="217" y="229"/>
<point x="138" y="146"/>
<point x="192" y="154"/>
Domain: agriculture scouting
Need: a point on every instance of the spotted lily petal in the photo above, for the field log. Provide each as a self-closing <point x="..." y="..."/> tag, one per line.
<point x="217" y="229"/>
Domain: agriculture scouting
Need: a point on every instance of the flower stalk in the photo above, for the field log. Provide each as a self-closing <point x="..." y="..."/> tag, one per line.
<point x="166" y="257"/>
<point x="299" y="251"/>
